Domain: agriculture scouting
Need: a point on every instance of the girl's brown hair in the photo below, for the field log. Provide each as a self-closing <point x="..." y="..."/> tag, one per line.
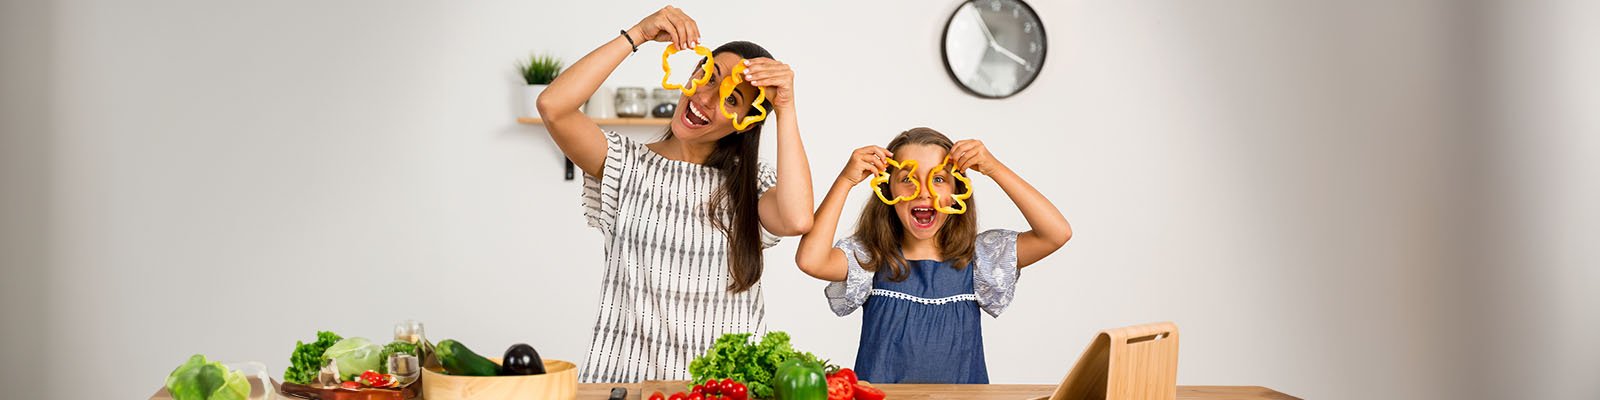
<point x="879" y="229"/>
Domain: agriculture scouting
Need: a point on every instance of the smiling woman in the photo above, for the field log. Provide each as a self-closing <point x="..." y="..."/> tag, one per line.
<point x="685" y="218"/>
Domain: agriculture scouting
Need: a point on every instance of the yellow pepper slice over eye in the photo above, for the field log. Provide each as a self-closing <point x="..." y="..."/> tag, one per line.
<point x="707" y="68"/>
<point x="959" y="198"/>
<point x="878" y="180"/>
<point x="731" y="82"/>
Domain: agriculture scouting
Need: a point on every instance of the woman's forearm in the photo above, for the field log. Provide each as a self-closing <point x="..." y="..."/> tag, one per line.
<point x="578" y="136"/>
<point x="795" y="199"/>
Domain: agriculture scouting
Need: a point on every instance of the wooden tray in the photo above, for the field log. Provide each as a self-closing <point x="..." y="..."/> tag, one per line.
<point x="298" y="391"/>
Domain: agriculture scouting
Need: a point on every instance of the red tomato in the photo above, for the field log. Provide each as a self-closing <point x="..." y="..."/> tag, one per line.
<point x="840" y="388"/>
<point x="713" y="386"/>
<point x="698" y="389"/>
<point x="657" y="396"/>
<point x="695" y="396"/>
<point x="864" y="392"/>
<point x="847" y="373"/>
<point x="677" y="396"/>
<point x="735" y="390"/>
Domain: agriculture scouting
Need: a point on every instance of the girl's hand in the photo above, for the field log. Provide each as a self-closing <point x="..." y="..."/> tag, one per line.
<point x="972" y="154"/>
<point x="774" y="75"/>
<point x="668" y="25"/>
<point x="864" y="163"/>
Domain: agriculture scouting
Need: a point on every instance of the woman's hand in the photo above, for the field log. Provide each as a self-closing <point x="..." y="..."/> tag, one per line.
<point x="864" y="163"/>
<point x="774" y="75"/>
<point x="972" y="154"/>
<point x="670" y="25"/>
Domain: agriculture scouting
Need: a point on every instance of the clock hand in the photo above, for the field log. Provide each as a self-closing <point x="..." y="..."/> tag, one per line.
<point x="1008" y="53"/>
<point x="983" y="27"/>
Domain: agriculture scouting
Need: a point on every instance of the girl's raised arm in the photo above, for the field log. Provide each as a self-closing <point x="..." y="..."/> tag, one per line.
<point x="816" y="255"/>
<point x="1050" y="229"/>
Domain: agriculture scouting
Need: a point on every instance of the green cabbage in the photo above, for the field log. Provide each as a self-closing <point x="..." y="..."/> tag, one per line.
<point x="198" y="379"/>
<point x="355" y="355"/>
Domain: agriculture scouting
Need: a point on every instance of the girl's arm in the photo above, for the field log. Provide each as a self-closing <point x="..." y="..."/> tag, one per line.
<point x="578" y="136"/>
<point x="786" y="208"/>
<point x="816" y="255"/>
<point x="1050" y="229"/>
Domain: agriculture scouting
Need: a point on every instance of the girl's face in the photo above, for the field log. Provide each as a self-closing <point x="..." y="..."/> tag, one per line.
<point x="698" y="118"/>
<point x="917" y="216"/>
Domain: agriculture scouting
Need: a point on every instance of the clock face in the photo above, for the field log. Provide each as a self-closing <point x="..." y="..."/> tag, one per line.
<point x="994" y="48"/>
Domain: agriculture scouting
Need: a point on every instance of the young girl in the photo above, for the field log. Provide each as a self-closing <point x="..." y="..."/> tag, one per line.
<point x="921" y="274"/>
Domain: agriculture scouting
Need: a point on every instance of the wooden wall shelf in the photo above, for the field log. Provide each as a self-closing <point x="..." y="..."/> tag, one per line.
<point x="571" y="172"/>
<point x="610" y="121"/>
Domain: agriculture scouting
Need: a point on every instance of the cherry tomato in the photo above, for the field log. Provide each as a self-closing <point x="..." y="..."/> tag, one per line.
<point x="677" y="396"/>
<point x="735" y="390"/>
<point x="695" y="396"/>
<point x="657" y="396"/>
<point x="698" y="389"/>
<point x="713" y="386"/>
<point x="864" y="392"/>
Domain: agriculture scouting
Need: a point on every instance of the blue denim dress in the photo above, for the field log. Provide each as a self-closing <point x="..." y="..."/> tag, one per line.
<point x="927" y="329"/>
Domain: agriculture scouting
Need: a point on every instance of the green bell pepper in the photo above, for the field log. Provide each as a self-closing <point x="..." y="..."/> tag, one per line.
<point x="800" y="380"/>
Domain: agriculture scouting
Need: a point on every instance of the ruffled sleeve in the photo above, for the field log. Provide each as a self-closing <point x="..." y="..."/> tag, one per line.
<point x="995" y="272"/>
<point x="601" y="194"/>
<point x="766" y="178"/>
<point x="845" y="297"/>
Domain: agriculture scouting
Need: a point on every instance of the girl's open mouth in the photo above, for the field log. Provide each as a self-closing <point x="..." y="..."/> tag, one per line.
<point x="693" y="118"/>
<point x="922" y="217"/>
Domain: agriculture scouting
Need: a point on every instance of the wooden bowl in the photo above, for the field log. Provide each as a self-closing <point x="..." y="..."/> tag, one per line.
<point x="559" y="382"/>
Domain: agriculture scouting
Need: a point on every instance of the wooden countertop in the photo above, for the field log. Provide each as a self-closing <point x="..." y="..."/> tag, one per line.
<point x="600" y="391"/>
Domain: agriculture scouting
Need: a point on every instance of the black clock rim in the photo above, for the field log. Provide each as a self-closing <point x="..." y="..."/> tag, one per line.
<point x="944" y="53"/>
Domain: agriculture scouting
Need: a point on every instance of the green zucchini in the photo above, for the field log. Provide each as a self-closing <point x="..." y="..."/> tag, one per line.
<point x="457" y="359"/>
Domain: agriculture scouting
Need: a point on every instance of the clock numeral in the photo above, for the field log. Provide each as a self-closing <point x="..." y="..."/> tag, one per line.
<point x="1027" y="27"/>
<point x="994" y="5"/>
<point x="1033" y="47"/>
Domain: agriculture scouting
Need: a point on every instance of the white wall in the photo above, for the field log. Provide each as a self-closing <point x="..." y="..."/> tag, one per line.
<point x="1273" y="176"/>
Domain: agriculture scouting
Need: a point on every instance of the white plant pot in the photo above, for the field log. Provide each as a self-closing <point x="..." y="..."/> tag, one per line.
<point x="530" y="100"/>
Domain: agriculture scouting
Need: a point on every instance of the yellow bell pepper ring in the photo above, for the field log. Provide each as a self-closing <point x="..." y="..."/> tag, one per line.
<point x="960" y="199"/>
<point x="882" y="177"/>
<point x="731" y="82"/>
<point x="707" y="68"/>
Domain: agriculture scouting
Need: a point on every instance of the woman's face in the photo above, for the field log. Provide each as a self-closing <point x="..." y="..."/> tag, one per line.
<point x="698" y="118"/>
<point x="917" y="216"/>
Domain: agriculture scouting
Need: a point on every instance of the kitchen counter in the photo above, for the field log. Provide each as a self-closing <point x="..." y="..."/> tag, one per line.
<point x="602" y="391"/>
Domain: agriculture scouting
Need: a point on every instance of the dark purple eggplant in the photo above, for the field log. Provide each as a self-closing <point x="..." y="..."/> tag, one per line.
<point x="521" y="359"/>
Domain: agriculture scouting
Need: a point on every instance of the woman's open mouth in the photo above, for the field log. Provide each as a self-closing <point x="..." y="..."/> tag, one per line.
<point x="922" y="217"/>
<point x="693" y="117"/>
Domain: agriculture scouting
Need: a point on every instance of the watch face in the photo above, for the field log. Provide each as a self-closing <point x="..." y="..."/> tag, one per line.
<point x="994" y="48"/>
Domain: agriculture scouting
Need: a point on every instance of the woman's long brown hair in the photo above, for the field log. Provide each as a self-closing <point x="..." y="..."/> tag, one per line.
<point x="879" y="229"/>
<point x="733" y="208"/>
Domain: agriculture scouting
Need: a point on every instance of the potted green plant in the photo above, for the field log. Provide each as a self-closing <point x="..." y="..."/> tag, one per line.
<point x="537" y="72"/>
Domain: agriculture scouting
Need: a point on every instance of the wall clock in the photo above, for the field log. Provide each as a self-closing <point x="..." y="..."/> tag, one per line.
<point x="994" y="48"/>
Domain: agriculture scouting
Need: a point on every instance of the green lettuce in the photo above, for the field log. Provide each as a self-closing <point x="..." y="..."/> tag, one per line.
<point x="355" y="355"/>
<point x="199" y="379"/>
